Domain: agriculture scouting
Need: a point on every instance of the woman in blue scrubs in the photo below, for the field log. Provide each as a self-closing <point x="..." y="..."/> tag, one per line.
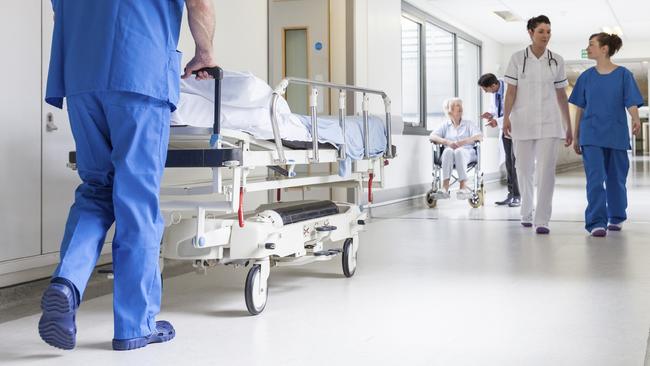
<point x="115" y="62"/>
<point x="602" y="94"/>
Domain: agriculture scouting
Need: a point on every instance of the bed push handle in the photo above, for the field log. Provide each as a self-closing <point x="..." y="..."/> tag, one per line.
<point x="217" y="73"/>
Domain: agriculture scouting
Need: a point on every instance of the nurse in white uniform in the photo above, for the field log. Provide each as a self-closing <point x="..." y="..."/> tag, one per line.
<point x="537" y="118"/>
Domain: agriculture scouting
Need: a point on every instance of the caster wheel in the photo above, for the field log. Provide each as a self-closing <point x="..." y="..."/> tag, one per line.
<point x="349" y="258"/>
<point x="477" y="199"/>
<point x="256" y="290"/>
<point x="430" y="199"/>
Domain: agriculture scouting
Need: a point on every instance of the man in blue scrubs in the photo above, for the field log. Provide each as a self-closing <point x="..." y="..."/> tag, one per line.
<point x="115" y="61"/>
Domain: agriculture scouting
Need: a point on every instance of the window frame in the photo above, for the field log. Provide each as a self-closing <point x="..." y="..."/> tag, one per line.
<point x="419" y="16"/>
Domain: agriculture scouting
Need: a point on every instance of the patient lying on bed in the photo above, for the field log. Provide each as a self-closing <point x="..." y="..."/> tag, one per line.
<point x="245" y="106"/>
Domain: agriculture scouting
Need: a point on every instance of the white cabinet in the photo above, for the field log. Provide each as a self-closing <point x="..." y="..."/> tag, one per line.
<point x="20" y="140"/>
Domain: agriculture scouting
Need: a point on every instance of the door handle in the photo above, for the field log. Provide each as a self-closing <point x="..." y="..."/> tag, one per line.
<point x="49" y="125"/>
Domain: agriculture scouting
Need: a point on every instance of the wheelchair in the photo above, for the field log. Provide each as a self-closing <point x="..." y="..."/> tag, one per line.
<point x="477" y="196"/>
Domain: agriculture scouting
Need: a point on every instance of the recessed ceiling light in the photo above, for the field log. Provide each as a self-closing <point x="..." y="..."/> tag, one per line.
<point x="508" y="16"/>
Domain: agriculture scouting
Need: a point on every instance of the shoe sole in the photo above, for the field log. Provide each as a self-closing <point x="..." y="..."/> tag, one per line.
<point x="599" y="233"/>
<point x="526" y="224"/>
<point x="542" y="231"/>
<point x="135" y="343"/>
<point x="614" y="228"/>
<point x="57" y="311"/>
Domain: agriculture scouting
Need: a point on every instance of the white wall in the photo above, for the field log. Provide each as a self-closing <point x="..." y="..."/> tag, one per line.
<point x="378" y="65"/>
<point x="240" y="38"/>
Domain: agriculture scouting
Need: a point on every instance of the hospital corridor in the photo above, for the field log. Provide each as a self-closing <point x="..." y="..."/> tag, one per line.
<point x="325" y="182"/>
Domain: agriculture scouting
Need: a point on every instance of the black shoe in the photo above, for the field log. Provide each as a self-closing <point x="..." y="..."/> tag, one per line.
<point x="504" y="202"/>
<point x="515" y="202"/>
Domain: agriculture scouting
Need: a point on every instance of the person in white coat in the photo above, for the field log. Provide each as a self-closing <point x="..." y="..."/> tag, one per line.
<point x="490" y="84"/>
<point x="537" y="118"/>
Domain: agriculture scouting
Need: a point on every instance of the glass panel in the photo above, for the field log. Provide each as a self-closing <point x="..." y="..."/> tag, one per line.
<point x="296" y="65"/>
<point x="468" y="74"/>
<point x="440" y="73"/>
<point x="410" y="71"/>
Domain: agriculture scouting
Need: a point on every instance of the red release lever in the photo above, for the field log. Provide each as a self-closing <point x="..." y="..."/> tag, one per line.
<point x="240" y="212"/>
<point x="370" y="176"/>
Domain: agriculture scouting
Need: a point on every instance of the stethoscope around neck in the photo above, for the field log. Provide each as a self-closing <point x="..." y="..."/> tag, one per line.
<point x="549" y="55"/>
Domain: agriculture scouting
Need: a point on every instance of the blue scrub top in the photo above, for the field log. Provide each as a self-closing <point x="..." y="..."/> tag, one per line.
<point x="115" y="45"/>
<point x="604" y="99"/>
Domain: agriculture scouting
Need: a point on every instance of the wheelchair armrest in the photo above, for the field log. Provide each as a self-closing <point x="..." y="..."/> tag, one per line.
<point x="437" y="152"/>
<point x="477" y="146"/>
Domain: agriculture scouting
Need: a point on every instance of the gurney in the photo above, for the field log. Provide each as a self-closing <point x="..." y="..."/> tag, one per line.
<point x="204" y="218"/>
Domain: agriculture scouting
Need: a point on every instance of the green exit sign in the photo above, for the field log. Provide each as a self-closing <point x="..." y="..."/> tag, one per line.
<point x="583" y="53"/>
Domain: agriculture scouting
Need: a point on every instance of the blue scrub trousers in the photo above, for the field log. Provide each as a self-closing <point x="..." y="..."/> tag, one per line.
<point x="121" y="140"/>
<point x="606" y="171"/>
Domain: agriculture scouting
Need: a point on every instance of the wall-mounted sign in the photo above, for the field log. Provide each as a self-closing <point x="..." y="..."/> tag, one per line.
<point x="318" y="46"/>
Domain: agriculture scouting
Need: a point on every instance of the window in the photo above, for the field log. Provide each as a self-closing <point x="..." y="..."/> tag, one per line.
<point x="438" y="62"/>
<point x="440" y="73"/>
<point x="410" y="72"/>
<point x="468" y="74"/>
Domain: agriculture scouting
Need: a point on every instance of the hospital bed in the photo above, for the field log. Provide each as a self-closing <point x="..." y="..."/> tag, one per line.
<point x="204" y="218"/>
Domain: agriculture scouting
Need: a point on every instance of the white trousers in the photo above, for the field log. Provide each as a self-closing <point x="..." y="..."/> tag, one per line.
<point x="543" y="152"/>
<point x="461" y="157"/>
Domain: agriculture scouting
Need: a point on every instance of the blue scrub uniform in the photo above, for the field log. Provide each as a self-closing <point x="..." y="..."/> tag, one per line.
<point x="604" y="139"/>
<point x="115" y="61"/>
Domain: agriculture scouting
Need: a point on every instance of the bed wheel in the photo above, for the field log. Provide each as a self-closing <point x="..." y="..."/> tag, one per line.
<point x="430" y="199"/>
<point x="349" y="258"/>
<point x="256" y="290"/>
<point x="477" y="199"/>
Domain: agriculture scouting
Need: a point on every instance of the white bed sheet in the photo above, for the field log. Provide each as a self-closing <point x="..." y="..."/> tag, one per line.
<point x="245" y="106"/>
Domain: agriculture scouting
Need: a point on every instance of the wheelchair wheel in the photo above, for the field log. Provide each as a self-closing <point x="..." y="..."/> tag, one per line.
<point x="477" y="199"/>
<point x="431" y="199"/>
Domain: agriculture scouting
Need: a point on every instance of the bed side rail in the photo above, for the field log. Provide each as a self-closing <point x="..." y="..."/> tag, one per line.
<point x="313" y="104"/>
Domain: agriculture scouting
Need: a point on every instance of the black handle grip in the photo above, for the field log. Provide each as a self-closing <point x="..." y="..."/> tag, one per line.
<point x="217" y="73"/>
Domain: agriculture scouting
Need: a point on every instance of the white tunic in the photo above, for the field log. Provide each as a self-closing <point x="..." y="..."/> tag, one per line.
<point x="536" y="113"/>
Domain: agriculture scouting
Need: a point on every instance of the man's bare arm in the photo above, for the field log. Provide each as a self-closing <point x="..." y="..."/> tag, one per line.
<point x="201" y="18"/>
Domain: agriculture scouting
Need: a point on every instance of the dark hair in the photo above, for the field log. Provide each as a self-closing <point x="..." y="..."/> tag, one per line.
<point x="535" y="21"/>
<point x="612" y="41"/>
<point x="487" y="80"/>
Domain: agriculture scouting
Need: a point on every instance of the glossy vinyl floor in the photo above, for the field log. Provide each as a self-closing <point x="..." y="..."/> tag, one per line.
<point x="444" y="286"/>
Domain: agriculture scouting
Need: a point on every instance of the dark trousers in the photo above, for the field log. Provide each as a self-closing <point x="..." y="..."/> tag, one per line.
<point x="511" y="171"/>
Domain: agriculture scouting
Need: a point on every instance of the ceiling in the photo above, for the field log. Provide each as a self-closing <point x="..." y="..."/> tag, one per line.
<point x="572" y="20"/>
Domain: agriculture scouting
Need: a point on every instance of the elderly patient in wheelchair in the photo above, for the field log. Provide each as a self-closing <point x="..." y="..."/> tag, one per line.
<point x="457" y="146"/>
